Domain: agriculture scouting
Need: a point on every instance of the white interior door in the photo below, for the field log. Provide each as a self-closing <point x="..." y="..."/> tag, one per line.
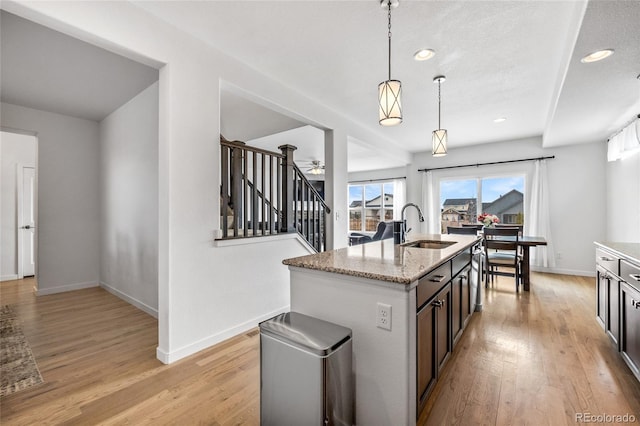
<point x="27" y="227"/>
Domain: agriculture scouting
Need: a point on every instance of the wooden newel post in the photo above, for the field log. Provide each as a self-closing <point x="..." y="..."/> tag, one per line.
<point x="237" y="159"/>
<point x="288" y="175"/>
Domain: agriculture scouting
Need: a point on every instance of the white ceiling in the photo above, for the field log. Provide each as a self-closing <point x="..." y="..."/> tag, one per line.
<point x="50" y="71"/>
<point x="517" y="59"/>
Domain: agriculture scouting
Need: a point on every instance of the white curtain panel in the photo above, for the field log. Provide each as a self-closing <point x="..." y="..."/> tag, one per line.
<point x="624" y="143"/>
<point x="539" y="222"/>
<point x="430" y="208"/>
<point x="399" y="197"/>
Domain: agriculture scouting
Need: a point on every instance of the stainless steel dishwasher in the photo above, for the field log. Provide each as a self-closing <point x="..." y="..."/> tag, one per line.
<point x="305" y="372"/>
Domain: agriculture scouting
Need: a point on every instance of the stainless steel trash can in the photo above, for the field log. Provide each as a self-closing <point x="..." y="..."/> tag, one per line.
<point x="305" y="372"/>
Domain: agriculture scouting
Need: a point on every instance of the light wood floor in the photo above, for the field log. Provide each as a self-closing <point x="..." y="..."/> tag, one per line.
<point x="528" y="358"/>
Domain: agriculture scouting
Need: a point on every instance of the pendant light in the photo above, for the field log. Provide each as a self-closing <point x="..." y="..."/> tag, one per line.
<point x="439" y="136"/>
<point x="389" y="92"/>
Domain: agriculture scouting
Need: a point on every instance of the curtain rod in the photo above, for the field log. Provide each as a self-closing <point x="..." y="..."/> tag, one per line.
<point x="487" y="164"/>
<point x="377" y="180"/>
<point x="637" y="117"/>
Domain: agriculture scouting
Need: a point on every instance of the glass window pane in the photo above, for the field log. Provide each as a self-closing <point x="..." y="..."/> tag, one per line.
<point x="371" y="220"/>
<point x="373" y="195"/>
<point x="458" y="203"/>
<point x="504" y="197"/>
<point x="388" y="195"/>
<point x="355" y="220"/>
<point x="355" y="196"/>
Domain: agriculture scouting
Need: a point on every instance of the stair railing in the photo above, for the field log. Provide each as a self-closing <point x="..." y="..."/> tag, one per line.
<point x="265" y="193"/>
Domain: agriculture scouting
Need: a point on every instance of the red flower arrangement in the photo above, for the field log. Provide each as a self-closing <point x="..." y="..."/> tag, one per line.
<point x="488" y="219"/>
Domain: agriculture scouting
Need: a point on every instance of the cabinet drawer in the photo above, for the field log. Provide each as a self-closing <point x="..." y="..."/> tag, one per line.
<point x="607" y="260"/>
<point x="431" y="283"/>
<point x="460" y="261"/>
<point x="630" y="273"/>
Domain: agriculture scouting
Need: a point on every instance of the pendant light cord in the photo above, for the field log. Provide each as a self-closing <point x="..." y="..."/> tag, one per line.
<point x="439" y="127"/>
<point x="389" y="34"/>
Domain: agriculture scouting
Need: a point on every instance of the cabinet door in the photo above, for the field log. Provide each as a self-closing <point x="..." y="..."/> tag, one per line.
<point x="612" y="308"/>
<point x="468" y="305"/>
<point x="443" y="327"/>
<point x="425" y="328"/>
<point x="630" y="327"/>
<point x="457" y="308"/>
<point x="601" y="295"/>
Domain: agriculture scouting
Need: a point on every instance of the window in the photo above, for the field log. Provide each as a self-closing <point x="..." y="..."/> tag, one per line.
<point x="369" y="204"/>
<point x="500" y="196"/>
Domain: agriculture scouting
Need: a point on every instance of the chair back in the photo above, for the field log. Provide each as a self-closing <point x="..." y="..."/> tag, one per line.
<point x="501" y="238"/>
<point x="466" y="230"/>
<point x="510" y="225"/>
<point x="379" y="231"/>
<point x="477" y="226"/>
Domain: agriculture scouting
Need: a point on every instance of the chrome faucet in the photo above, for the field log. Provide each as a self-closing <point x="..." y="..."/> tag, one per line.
<point x="405" y="231"/>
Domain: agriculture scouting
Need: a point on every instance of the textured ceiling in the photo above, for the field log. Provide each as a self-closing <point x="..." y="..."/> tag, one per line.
<point x="513" y="59"/>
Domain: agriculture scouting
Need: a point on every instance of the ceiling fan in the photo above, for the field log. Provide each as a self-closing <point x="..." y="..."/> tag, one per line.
<point x="316" y="168"/>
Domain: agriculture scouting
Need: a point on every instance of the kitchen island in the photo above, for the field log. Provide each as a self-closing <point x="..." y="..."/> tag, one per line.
<point x="406" y="306"/>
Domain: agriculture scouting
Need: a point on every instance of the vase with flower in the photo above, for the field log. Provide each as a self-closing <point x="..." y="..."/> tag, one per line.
<point x="488" y="220"/>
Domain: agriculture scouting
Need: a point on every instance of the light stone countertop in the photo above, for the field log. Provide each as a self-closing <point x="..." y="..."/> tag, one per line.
<point x="629" y="251"/>
<point x="384" y="261"/>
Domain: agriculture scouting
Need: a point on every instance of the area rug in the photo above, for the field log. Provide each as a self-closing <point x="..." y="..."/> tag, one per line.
<point x="18" y="367"/>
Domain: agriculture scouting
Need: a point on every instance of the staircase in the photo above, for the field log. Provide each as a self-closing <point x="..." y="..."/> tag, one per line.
<point x="264" y="193"/>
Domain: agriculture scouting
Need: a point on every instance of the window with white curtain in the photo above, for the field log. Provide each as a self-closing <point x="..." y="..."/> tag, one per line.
<point x="462" y="200"/>
<point x="373" y="202"/>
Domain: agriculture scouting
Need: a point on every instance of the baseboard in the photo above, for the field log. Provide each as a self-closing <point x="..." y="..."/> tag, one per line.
<point x="9" y="277"/>
<point x="131" y="300"/>
<point x="185" y="351"/>
<point x="564" y="271"/>
<point x="65" y="288"/>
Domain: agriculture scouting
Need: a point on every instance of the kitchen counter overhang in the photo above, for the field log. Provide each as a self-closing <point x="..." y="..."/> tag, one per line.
<point x="385" y="261"/>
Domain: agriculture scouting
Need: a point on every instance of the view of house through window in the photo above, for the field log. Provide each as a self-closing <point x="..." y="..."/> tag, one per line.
<point x="369" y="204"/>
<point x="499" y="196"/>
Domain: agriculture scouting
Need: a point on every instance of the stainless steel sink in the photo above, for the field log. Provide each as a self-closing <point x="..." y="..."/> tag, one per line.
<point x="429" y="244"/>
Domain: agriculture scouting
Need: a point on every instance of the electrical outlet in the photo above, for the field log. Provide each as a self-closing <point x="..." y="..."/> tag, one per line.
<point x="383" y="318"/>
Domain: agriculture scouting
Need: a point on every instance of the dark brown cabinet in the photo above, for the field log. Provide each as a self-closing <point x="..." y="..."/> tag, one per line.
<point x="608" y="293"/>
<point x="630" y="315"/>
<point x="461" y="303"/>
<point x="630" y="321"/>
<point x="433" y="329"/>
<point x="618" y="302"/>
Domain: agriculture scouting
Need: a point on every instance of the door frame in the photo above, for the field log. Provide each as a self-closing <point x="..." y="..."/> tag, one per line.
<point x="19" y="210"/>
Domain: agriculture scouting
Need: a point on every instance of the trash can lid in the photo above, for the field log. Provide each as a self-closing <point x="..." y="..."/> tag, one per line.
<point x="308" y="333"/>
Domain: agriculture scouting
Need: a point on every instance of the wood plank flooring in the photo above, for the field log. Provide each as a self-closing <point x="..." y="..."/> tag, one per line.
<point x="528" y="358"/>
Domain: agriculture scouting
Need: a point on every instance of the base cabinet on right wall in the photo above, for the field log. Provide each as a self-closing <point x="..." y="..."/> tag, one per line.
<point x="618" y="298"/>
<point x="630" y="316"/>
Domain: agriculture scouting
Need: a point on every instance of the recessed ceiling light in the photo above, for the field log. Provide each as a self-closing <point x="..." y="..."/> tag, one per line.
<point x="424" y="54"/>
<point x="500" y="120"/>
<point x="597" y="56"/>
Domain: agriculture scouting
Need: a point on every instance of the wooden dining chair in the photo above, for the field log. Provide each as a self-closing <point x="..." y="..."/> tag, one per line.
<point x="462" y="230"/>
<point x="501" y="251"/>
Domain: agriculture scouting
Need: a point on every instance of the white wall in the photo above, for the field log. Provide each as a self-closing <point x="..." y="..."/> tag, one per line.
<point x="205" y="292"/>
<point x="129" y="201"/>
<point x="14" y="149"/>
<point x="68" y="215"/>
<point x="623" y="200"/>
<point x="577" y="190"/>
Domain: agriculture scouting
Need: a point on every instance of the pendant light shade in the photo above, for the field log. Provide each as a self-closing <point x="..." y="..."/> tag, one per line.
<point x="439" y="140"/>
<point x="389" y="94"/>
<point x="439" y="136"/>
<point x="390" y="91"/>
